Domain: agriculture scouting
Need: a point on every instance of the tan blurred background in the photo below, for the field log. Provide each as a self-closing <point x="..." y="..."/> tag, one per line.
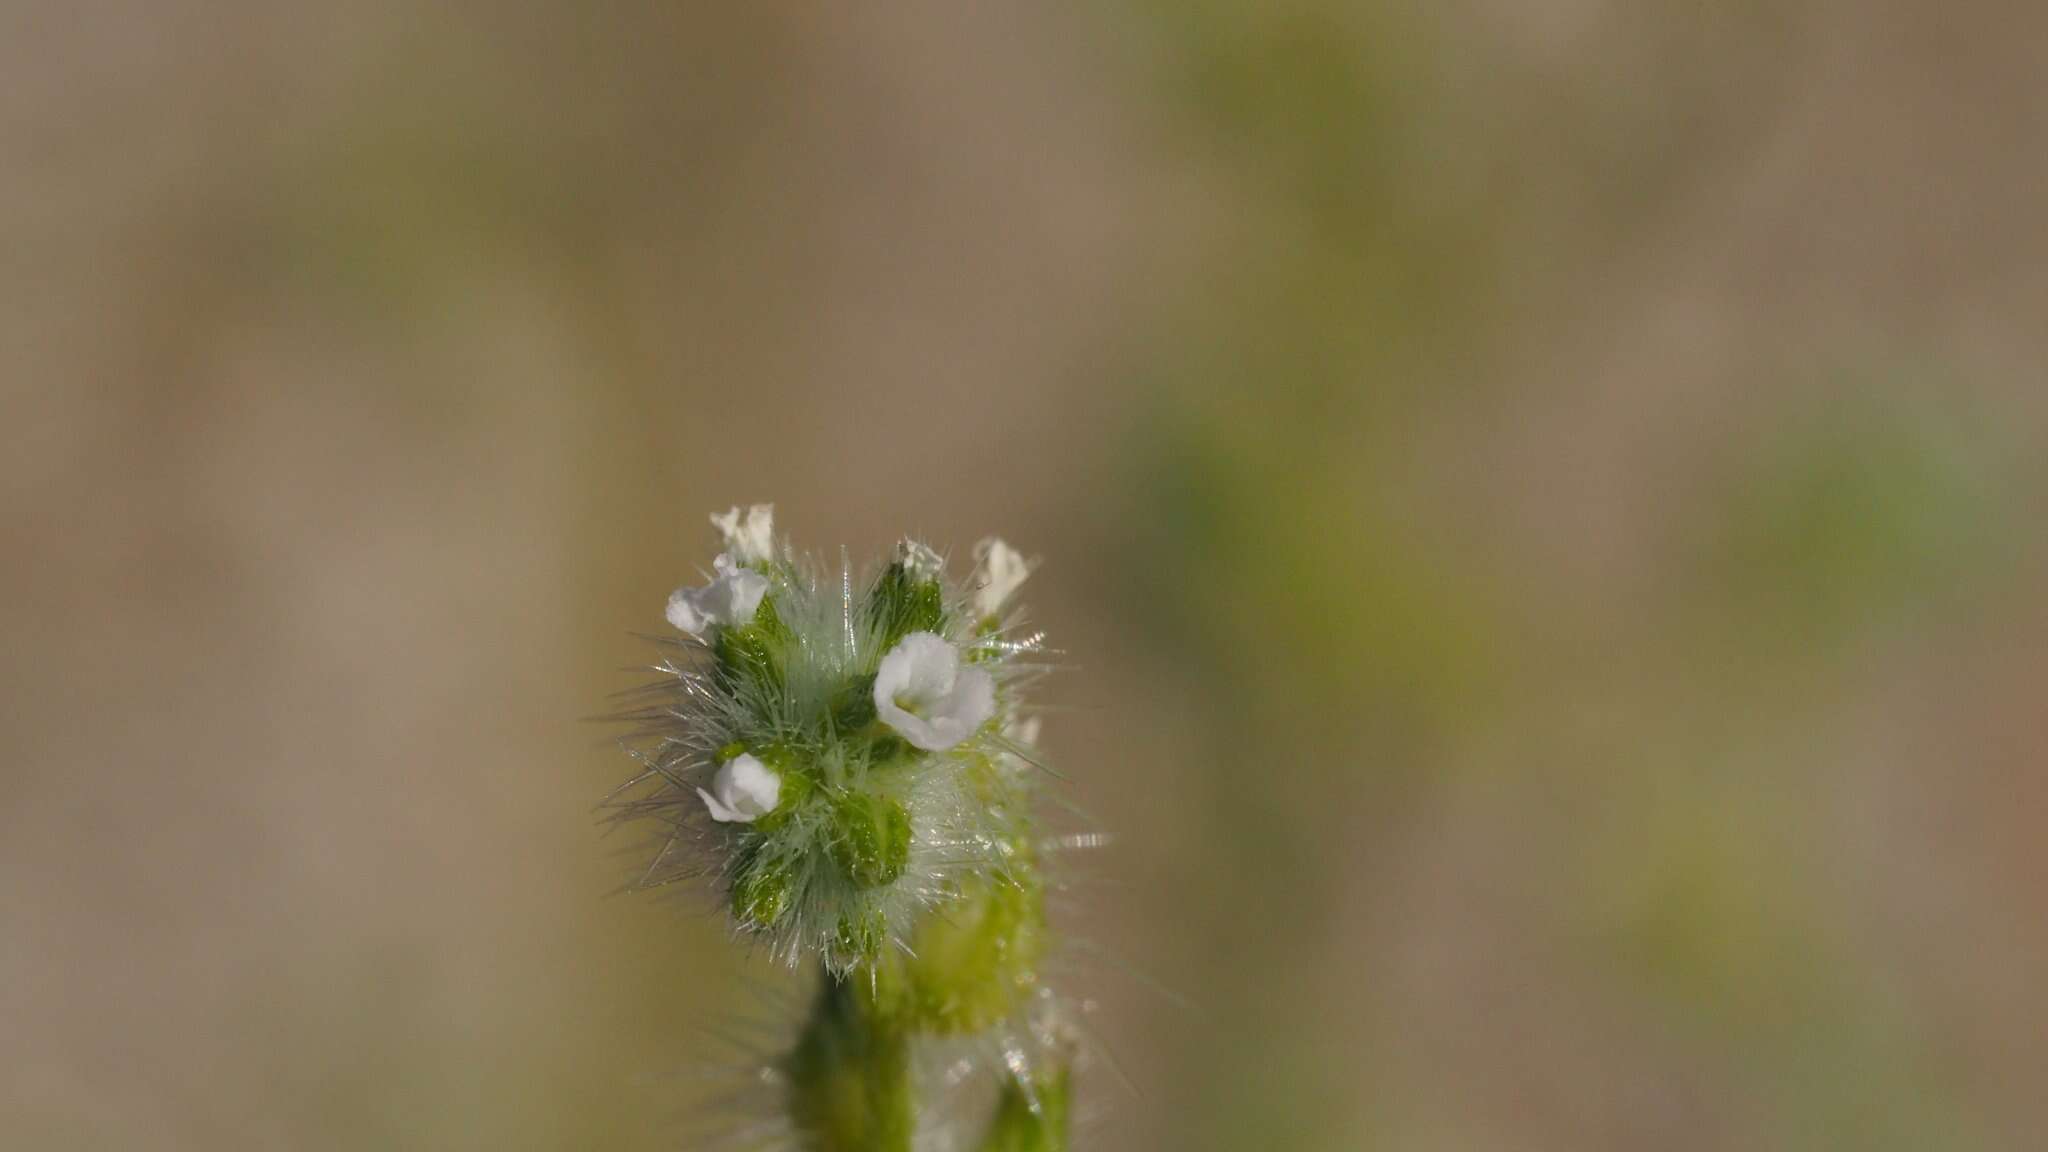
<point x="1543" y="502"/>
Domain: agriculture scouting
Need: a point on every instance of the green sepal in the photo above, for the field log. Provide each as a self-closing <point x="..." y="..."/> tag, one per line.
<point x="886" y="749"/>
<point x="872" y="838"/>
<point x="795" y="790"/>
<point x="796" y="787"/>
<point x="752" y="651"/>
<point x="972" y="962"/>
<point x="903" y="603"/>
<point x="762" y="890"/>
<point x="861" y="934"/>
<point x="853" y="705"/>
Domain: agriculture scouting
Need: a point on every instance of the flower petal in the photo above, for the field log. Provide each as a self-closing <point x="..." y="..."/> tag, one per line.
<point x="749" y="535"/>
<point x="684" y="613"/>
<point x="923" y="693"/>
<point x="720" y="812"/>
<point x="744" y="790"/>
<point x="919" y="560"/>
<point x="999" y="569"/>
<point x="730" y="599"/>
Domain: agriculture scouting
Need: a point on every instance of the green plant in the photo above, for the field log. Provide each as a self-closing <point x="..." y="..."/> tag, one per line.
<point x="851" y="762"/>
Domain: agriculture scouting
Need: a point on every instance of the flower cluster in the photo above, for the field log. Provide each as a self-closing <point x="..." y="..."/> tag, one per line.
<point x="835" y="751"/>
<point x="849" y="760"/>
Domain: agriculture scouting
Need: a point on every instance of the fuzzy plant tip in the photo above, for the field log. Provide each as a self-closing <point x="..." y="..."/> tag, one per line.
<point x="845" y="756"/>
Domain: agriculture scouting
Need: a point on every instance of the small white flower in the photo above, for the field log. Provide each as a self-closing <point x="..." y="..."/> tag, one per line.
<point x="923" y="692"/>
<point x="730" y="599"/>
<point x="749" y="536"/>
<point x="999" y="568"/>
<point x="919" y="560"/>
<point x="743" y="791"/>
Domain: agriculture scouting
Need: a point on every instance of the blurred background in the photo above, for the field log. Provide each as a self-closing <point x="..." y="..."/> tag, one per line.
<point x="1542" y="503"/>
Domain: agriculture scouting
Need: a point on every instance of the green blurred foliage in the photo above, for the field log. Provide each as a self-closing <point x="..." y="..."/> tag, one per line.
<point x="1352" y="654"/>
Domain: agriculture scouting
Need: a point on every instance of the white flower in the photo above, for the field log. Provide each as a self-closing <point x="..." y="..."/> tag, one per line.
<point x="743" y="791"/>
<point x="999" y="568"/>
<point x="922" y="691"/>
<point x="730" y="599"/>
<point x="749" y="536"/>
<point x="919" y="560"/>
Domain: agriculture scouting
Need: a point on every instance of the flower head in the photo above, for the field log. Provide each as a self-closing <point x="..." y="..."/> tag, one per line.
<point x="731" y="599"/>
<point x="925" y="695"/>
<point x="844" y="755"/>
<point x="999" y="569"/>
<point x="749" y="536"/>
<point x="833" y="749"/>
<point x="744" y="790"/>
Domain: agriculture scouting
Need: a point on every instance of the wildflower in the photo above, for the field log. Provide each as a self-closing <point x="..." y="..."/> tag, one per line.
<point x="999" y="569"/>
<point x="749" y="536"/>
<point x="923" y="693"/>
<point x="730" y="599"/>
<point x="869" y="814"/>
<point x="743" y="791"/>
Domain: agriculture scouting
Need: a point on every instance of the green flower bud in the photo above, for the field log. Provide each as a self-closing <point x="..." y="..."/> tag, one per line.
<point x="862" y="934"/>
<point x="872" y="841"/>
<point x="970" y="968"/>
<point x="752" y="651"/>
<point x="761" y="892"/>
<point x="906" y="602"/>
